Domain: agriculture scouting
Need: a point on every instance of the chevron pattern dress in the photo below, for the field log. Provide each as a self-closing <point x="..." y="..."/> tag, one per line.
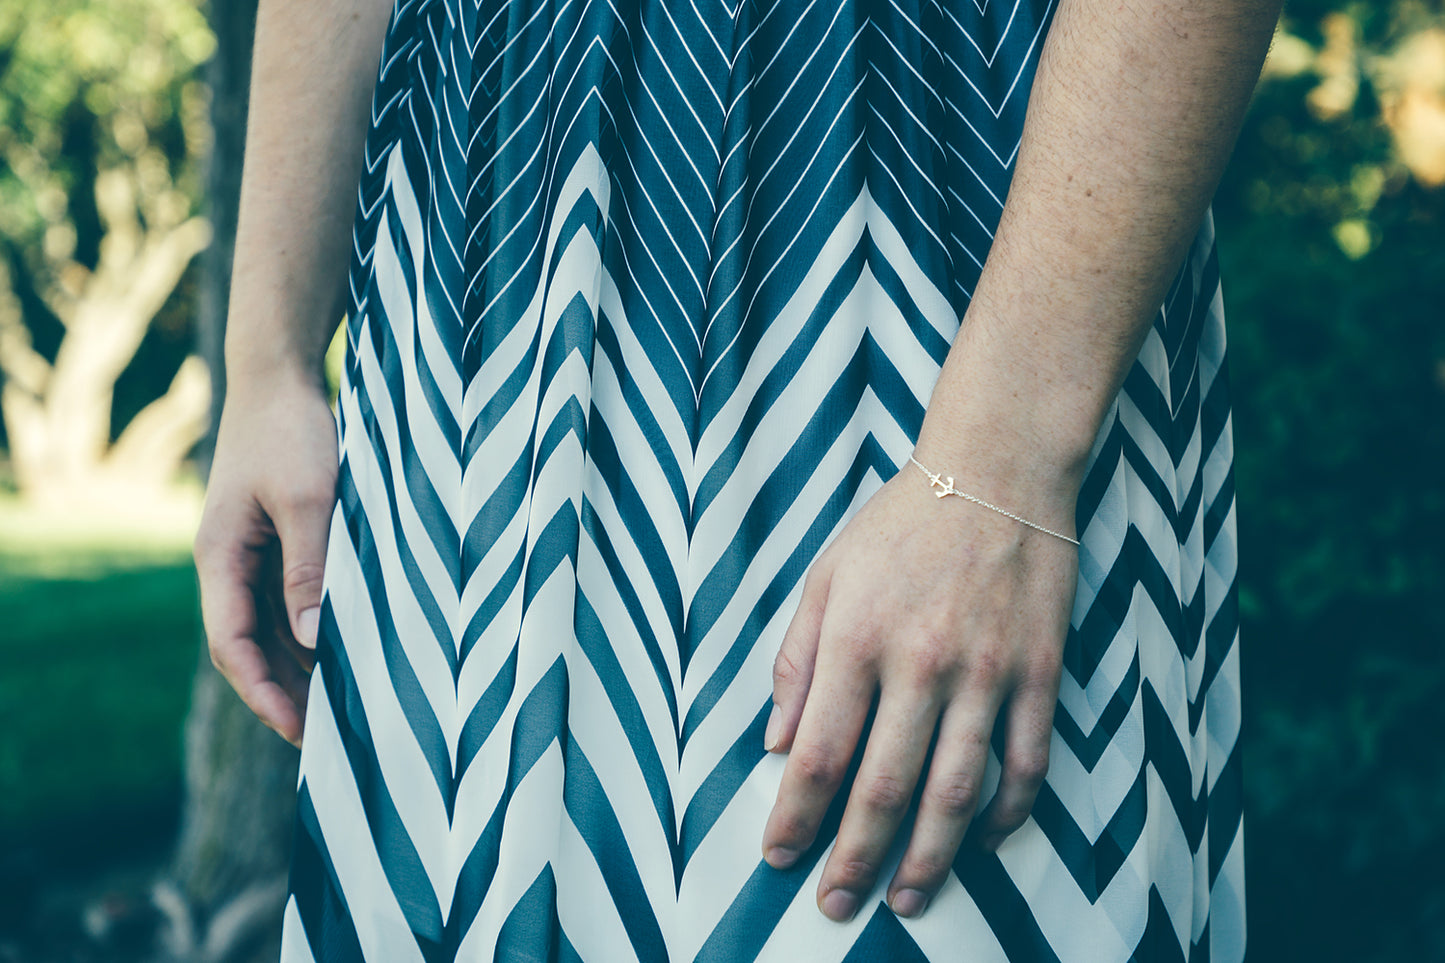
<point x="647" y="298"/>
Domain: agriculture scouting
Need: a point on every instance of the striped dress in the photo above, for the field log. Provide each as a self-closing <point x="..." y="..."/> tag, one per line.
<point x="647" y="298"/>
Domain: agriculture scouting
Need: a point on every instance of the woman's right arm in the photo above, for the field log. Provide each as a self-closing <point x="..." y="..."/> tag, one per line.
<point x="262" y="539"/>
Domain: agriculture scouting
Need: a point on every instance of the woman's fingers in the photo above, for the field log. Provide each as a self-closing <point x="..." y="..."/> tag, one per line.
<point x="836" y="708"/>
<point x="239" y="630"/>
<point x="879" y="798"/>
<point x="228" y="611"/>
<point x="302" y="517"/>
<point x="943" y="646"/>
<point x="261" y="546"/>
<point x="1029" y="715"/>
<point x="272" y="600"/>
<point x="291" y="663"/>
<point x="253" y="676"/>
<point x="948" y="801"/>
<point x="793" y="666"/>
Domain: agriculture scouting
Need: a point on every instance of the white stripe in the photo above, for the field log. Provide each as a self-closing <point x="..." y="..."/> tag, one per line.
<point x="424" y="651"/>
<point x="381" y="929"/>
<point x="528" y="844"/>
<point x="294" y="948"/>
<point x="403" y="766"/>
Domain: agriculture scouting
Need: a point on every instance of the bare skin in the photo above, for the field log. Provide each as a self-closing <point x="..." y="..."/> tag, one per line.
<point x="262" y="539"/>
<point x="951" y="616"/>
<point x="954" y="617"/>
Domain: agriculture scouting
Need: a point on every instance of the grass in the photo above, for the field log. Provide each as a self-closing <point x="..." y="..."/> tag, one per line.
<point x="99" y="640"/>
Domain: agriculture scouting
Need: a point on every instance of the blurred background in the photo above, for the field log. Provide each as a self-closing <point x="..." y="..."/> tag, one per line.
<point x="144" y="815"/>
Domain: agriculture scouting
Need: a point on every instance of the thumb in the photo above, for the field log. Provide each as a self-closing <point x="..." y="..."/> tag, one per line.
<point x="793" y="667"/>
<point x="304" y="527"/>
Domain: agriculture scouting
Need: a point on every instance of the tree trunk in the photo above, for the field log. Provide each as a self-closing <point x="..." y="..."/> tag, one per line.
<point x="231" y="861"/>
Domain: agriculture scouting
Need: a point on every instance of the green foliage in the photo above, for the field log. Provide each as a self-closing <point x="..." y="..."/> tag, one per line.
<point x="97" y="676"/>
<point x="86" y="89"/>
<point x="1334" y="277"/>
<point x="84" y="86"/>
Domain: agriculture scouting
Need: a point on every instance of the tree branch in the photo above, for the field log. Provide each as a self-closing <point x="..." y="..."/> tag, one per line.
<point x="157" y="439"/>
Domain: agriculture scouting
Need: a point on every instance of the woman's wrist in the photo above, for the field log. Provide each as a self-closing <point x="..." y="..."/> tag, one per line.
<point x="1000" y="473"/>
<point x="984" y="455"/>
<point x="994" y="418"/>
<point x="254" y="371"/>
<point x="279" y="334"/>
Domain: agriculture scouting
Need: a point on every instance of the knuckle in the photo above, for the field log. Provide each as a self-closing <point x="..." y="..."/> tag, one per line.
<point x="928" y="870"/>
<point x="308" y="494"/>
<point x="792" y="829"/>
<point x="1008" y="818"/>
<point x="932" y="658"/>
<point x="1029" y="768"/>
<point x="852" y="872"/>
<point x="987" y="667"/>
<point x="817" y="768"/>
<point x="785" y="670"/>
<point x="302" y="575"/>
<point x="217" y="652"/>
<point x="853" y="641"/>
<point x="976" y="740"/>
<point x="886" y="794"/>
<point x="955" y="798"/>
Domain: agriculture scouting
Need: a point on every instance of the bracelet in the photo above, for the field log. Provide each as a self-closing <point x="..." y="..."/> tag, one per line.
<point x="945" y="486"/>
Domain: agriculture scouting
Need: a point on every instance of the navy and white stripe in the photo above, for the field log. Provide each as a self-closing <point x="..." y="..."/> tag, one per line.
<point x="648" y="297"/>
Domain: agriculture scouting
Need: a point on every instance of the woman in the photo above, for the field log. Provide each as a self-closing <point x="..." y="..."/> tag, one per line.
<point x="643" y="625"/>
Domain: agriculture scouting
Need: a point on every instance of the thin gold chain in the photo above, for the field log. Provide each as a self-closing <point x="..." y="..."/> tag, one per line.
<point x="945" y="486"/>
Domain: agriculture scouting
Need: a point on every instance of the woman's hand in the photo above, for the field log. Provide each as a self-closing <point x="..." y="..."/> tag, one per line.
<point x="261" y="543"/>
<point x="269" y="502"/>
<point x="946" y="612"/>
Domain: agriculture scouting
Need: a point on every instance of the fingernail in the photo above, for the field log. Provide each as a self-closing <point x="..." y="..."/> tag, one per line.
<point x="780" y="857"/>
<point x="775" y="722"/>
<point x="840" y="905"/>
<point x="307" y="622"/>
<point x="909" y="902"/>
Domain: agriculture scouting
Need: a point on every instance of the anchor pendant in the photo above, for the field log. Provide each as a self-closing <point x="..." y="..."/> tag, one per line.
<point x="933" y="481"/>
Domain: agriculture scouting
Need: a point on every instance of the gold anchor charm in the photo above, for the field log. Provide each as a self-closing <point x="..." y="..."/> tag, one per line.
<point x="945" y="487"/>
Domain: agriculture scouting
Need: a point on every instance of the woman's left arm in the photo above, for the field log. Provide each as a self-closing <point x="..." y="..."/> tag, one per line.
<point x="952" y="615"/>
